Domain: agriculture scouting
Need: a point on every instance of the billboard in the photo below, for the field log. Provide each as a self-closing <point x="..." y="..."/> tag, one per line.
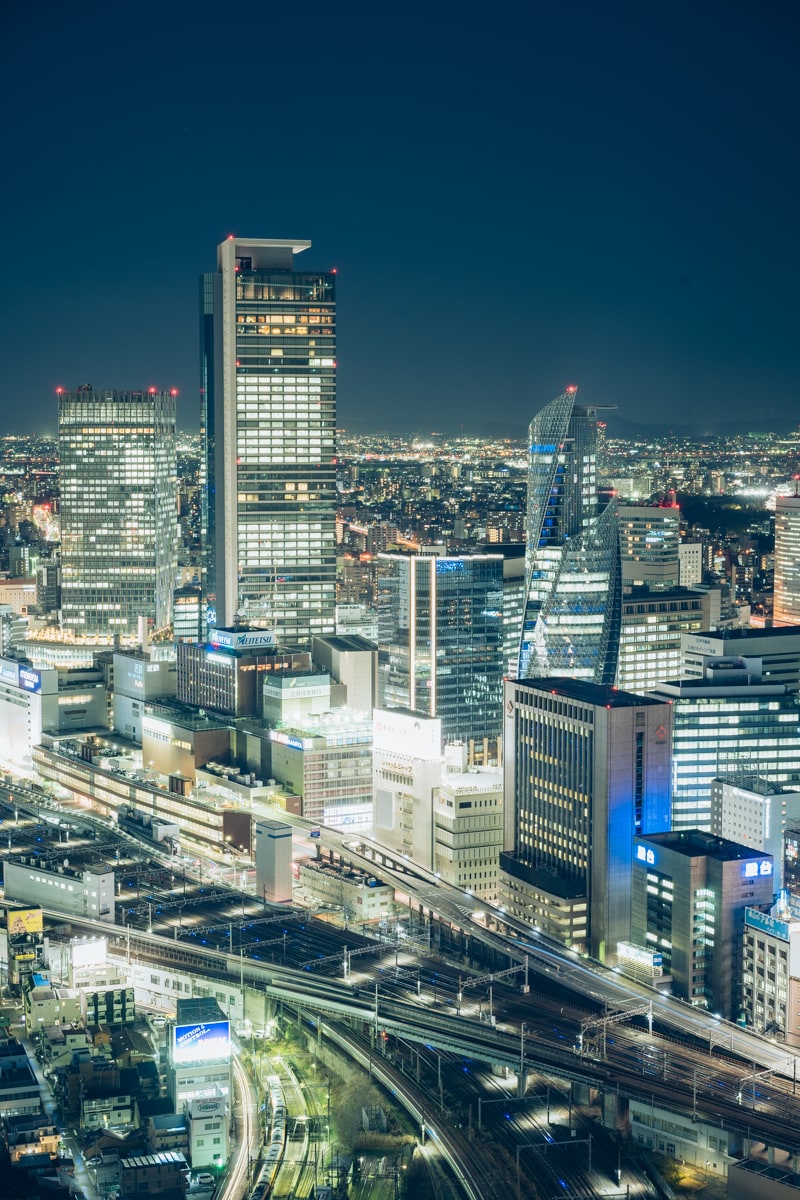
<point x="89" y="952"/>
<point x="23" y="921"/>
<point x="30" y="679"/>
<point x="250" y="639"/>
<point x="204" y="1041"/>
<point x="408" y="734"/>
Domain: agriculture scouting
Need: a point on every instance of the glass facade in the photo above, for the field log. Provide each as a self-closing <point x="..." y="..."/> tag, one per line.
<point x="726" y="735"/>
<point x="577" y="630"/>
<point x="268" y="364"/>
<point x="562" y="499"/>
<point x="119" y="527"/>
<point x="441" y="640"/>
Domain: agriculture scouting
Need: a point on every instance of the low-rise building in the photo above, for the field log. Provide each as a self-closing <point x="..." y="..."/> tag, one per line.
<point x="33" y="1133"/>
<point x="153" y="1174"/>
<point x="771" y="971"/>
<point x="208" y="1122"/>
<point x="86" y="892"/>
<point x="361" y="897"/>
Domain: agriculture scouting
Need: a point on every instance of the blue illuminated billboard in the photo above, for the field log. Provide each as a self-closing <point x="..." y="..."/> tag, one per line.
<point x="204" y="1041"/>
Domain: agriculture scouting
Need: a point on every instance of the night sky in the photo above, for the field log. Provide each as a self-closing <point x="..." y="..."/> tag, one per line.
<point x="515" y="196"/>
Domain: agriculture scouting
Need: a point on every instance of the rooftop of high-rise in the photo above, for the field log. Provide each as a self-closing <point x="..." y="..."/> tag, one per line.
<point x="586" y="692"/>
<point x="696" y="842"/>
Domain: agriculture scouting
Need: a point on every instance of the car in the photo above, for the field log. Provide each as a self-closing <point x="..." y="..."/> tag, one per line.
<point x="205" y="1179"/>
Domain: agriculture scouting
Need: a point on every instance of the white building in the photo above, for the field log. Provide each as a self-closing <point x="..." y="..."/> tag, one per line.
<point x="649" y="537"/>
<point x="407" y="771"/>
<point x="690" y="563"/>
<point x="208" y="1123"/>
<point x="468" y="830"/>
<point x="756" y="813"/>
<point x="85" y="893"/>
<point x="35" y="701"/>
<point x="661" y="1129"/>
<point x="327" y="762"/>
<point x="273" y="861"/>
<point x="137" y="678"/>
<point x="778" y="650"/>
<point x="786" y="609"/>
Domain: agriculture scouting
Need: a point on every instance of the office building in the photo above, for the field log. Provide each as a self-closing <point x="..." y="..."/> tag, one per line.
<point x="325" y="763"/>
<point x="690" y="564"/>
<point x="650" y="634"/>
<point x="227" y="673"/>
<point x="573" y="575"/>
<point x="138" y="678"/>
<point x="727" y="722"/>
<point x="187" y="614"/>
<point x="586" y="768"/>
<point x="690" y="892"/>
<point x="407" y="771"/>
<point x="649" y="538"/>
<point x="468" y="830"/>
<point x="786" y="607"/>
<point x="208" y="1123"/>
<point x="770" y="997"/>
<point x="269" y="424"/>
<point x="777" y="649"/>
<point x="441" y="641"/>
<point x="119" y="528"/>
<point x="755" y="812"/>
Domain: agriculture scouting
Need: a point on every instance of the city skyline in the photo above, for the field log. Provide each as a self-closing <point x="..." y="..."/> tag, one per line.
<point x="626" y="169"/>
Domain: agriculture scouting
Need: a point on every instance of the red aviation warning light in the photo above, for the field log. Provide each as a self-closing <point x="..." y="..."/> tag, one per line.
<point x="571" y="389"/>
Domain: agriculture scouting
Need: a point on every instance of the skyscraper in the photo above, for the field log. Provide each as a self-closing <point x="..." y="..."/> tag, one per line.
<point x="586" y="768"/>
<point x="119" y="525"/>
<point x="441" y="640"/>
<point x="572" y="562"/>
<point x="787" y="560"/>
<point x="269" y="425"/>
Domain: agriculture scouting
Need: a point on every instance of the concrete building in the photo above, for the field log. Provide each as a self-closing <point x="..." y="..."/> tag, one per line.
<point x="770" y="998"/>
<point x="351" y="661"/>
<point x="362" y="898"/>
<point x="139" y="679"/>
<point x="726" y="722"/>
<point x="83" y="892"/>
<point x="468" y="830"/>
<point x="292" y="697"/>
<point x="651" y="635"/>
<point x="268" y="336"/>
<point x="119" y="528"/>
<point x="226" y="674"/>
<point x="199" y="1052"/>
<point x="586" y="768"/>
<point x="274" y="861"/>
<point x="34" y="701"/>
<point x="690" y="564"/>
<point x="407" y="770"/>
<point x="786" y="608"/>
<point x="777" y="649"/>
<point x="208" y="1122"/>
<point x="755" y="812"/>
<point x="327" y="763"/>
<point x="649" y="538"/>
<point x="153" y="1174"/>
<point x="690" y="891"/>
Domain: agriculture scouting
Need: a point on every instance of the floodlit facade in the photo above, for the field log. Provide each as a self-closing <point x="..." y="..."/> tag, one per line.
<point x="586" y="768"/>
<point x="119" y="526"/>
<point x="786" y="609"/>
<point x="441" y="640"/>
<point x="269" y="422"/>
